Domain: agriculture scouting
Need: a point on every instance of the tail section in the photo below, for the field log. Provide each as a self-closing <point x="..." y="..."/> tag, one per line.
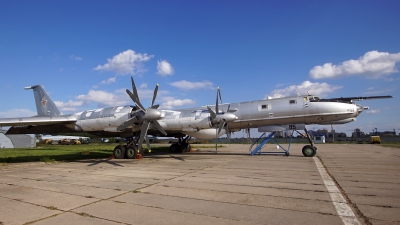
<point x="44" y="105"/>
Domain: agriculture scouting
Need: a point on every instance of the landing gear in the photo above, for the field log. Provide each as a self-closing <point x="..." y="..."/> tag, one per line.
<point x="131" y="152"/>
<point x="181" y="146"/>
<point x="128" y="151"/>
<point x="119" y="152"/>
<point x="309" y="150"/>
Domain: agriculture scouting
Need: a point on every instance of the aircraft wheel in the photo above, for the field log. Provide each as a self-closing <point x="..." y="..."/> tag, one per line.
<point x="185" y="147"/>
<point x="175" y="148"/>
<point x="309" y="151"/>
<point x="130" y="152"/>
<point x="119" y="152"/>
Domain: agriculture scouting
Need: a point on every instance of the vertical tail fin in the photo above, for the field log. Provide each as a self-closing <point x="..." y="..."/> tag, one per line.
<point x="44" y="105"/>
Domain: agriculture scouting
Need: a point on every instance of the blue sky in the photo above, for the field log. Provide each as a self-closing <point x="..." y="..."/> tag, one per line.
<point x="84" y="53"/>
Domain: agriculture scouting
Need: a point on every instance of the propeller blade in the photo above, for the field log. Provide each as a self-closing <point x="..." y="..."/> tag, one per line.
<point x="212" y="113"/>
<point x="155" y="106"/>
<point x="148" y="144"/>
<point x="216" y="102"/>
<point x="221" y="125"/>
<point x="143" y="133"/>
<point x="157" y="125"/>
<point x="216" y="140"/>
<point x="135" y="99"/>
<point x="134" y="89"/>
<point x="127" y="123"/>
<point x="220" y="98"/>
<point x="228" y="134"/>
<point x="154" y="95"/>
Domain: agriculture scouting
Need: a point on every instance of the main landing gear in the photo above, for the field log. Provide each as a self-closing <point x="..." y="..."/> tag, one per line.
<point x="181" y="146"/>
<point x="131" y="149"/>
<point x="128" y="151"/>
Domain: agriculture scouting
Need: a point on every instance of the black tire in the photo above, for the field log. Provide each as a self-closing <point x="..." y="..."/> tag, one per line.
<point x="175" y="148"/>
<point x="309" y="151"/>
<point x="119" y="152"/>
<point x="130" y="152"/>
<point x="182" y="147"/>
<point x="185" y="147"/>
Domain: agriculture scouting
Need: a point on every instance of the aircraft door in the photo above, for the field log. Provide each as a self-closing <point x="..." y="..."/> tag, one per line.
<point x="307" y="109"/>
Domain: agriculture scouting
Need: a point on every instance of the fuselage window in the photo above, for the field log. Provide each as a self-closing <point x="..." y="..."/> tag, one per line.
<point x="292" y="102"/>
<point x="264" y="106"/>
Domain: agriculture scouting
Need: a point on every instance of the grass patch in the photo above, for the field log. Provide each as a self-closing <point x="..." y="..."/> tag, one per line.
<point x="393" y="145"/>
<point x="47" y="159"/>
<point x="53" y="153"/>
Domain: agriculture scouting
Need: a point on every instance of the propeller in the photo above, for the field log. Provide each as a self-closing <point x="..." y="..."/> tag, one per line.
<point x="221" y="118"/>
<point x="147" y="117"/>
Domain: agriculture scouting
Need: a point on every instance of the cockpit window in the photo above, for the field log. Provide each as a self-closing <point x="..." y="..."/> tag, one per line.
<point x="314" y="99"/>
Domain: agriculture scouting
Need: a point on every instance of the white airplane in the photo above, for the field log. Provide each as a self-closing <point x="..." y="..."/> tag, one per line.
<point x="136" y="122"/>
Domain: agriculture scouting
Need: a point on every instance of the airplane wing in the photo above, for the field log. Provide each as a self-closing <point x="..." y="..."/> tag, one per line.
<point x="350" y="99"/>
<point x="36" y="120"/>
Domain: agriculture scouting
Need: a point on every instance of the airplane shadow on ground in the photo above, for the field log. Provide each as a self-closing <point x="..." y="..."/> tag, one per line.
<point x="94" y="162"/>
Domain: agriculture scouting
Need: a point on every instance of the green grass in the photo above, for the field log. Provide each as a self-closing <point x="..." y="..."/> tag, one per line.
<point x="61" y="153"/>
<point x="52" y="153"/>
<point x="392" y="144"/>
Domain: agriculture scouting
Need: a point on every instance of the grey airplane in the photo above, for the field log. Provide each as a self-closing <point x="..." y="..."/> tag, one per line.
<point x="136" y="122"/>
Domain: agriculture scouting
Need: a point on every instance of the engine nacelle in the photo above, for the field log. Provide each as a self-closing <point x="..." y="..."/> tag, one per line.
<point x="205" y="133"/>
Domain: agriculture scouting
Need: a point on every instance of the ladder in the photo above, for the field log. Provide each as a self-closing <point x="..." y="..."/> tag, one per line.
<point x="264" y="139"/>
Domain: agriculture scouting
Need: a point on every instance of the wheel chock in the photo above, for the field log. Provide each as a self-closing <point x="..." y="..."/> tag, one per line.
<point x="112" y="156"/>
<point x="138" y="156"/>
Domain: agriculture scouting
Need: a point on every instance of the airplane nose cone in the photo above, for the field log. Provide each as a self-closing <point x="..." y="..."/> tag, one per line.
<point x="361" y="108"/>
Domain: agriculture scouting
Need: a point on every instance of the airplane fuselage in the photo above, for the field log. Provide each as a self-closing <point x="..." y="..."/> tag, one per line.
<point x="196" y="122"/>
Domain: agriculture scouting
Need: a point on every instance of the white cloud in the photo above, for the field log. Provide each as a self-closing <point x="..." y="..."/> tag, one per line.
<point x="127" y="62"/>
<point x="13" y="113"/>
<point x="187" y="85"/>
<point x="104" y="98"/>
<point x="318" y="89"/>
<point x="109" y="81"/>
<point x="170" y="103"/>
<point x="377" y="92"/>
<point x="392" y="79"/>
<point x="68" y="106"/>
<point x="373" y="111"/>
<point x="372" y="65"/>
<point x="164" y="68"/>
<point x="76" y="57"/>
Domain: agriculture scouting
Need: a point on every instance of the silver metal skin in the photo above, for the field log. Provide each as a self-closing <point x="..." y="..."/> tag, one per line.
<point x="200" y="122"/>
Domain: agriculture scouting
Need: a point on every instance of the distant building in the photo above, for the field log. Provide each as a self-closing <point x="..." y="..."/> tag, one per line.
<point x="326" y="133"/>
<point x="357" y="133"/>
<point x="383" y="133"/>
